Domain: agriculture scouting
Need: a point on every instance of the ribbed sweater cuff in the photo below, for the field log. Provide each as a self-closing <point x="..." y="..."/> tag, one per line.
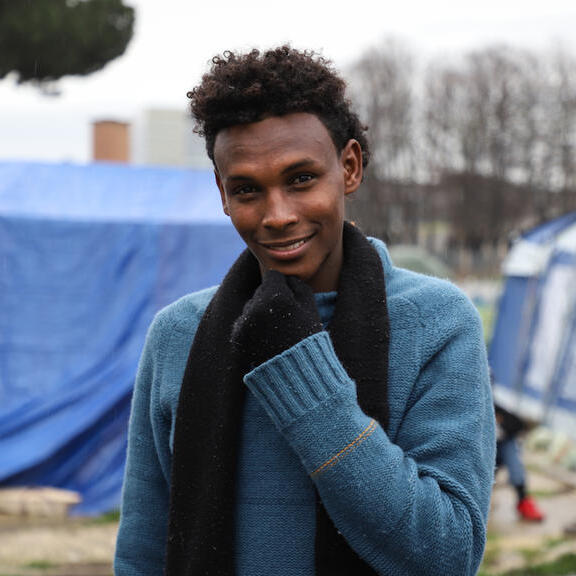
<point x="299" y="379"/>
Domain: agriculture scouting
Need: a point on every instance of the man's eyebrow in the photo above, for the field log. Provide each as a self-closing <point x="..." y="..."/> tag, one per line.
<point x="238" y="178"/>
<point x="305" y="163"/>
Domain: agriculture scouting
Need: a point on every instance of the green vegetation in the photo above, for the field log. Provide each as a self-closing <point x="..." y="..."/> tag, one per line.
<point x="534" y="563"/>
<point x="491" y="556"/>
<point x="563" y="566"/>
<point x="41" y="42"/>
<point x="40" y="565"/>
<point x="107" y="518"/>
<point x="487" y="315"/>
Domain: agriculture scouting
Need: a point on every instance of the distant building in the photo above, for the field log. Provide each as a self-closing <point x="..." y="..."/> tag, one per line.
<point x="164" y="137"/>
<point x="157" y="137"/>
<point x="111" y="141"/>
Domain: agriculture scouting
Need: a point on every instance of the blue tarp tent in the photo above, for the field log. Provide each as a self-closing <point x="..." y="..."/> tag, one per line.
<point x="533" y="348"/>
<point x="88" y="254"/>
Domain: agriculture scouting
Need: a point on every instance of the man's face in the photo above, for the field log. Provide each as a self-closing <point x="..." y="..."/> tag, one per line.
<point x="283" y="183"/>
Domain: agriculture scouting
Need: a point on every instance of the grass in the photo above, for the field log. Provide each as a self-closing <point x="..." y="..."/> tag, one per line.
<point x="107" y="518"/>
<point x="543" y="494"/>
<point x="491" y="553"/>
<point x="563" y="566"/>
<point x="533" y="560"/>
<point x="488" y="316"/>
<point x="40" y="565"/>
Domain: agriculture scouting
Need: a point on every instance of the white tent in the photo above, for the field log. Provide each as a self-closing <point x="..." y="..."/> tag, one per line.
<point x="533" y="349"/>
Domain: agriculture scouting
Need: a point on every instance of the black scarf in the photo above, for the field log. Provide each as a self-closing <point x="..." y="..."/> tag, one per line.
<point x="209" y="415"/>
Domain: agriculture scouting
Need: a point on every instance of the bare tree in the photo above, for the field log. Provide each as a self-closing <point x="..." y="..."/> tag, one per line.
<point x="563" y="123"/>
<point x="485" y="134"/>
<point x="442" y="99"/>
<point x="485" y="142"/>
<point x="383" y="85"/>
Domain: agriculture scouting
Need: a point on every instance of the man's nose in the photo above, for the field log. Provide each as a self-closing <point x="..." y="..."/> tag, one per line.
<point x="279" y="210"/>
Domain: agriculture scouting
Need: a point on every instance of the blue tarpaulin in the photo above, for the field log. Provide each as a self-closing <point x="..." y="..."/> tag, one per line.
<point x="88" y="255"/>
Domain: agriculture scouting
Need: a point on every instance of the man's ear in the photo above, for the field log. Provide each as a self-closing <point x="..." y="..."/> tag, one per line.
<point x="351" y="159"/>
<point x="222" y="193"/>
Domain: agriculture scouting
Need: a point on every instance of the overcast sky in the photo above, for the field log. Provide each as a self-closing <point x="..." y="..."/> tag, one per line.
<point x="175" y="39"/>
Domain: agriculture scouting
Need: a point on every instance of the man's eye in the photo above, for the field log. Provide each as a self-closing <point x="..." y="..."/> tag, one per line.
<point x="242" y="190"/>
<point x="302" y="179"/>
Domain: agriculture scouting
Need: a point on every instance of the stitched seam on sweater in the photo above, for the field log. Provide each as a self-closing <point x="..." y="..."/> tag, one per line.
<point x="368" y="431"/>
<point x="161" y="351"/>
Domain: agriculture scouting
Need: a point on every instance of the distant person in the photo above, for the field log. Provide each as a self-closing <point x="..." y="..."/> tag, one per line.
<point x="509" y="455"/>
<point x="322" y="411"/>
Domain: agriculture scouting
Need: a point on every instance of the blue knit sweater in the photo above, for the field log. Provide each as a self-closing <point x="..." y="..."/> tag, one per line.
<point x="412" y="500"/>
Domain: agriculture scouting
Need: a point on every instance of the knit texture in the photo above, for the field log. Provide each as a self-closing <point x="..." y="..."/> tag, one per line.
<point x="413" y="500"/>
<point x="299" y="379"/>
<point x="271" y="474"/>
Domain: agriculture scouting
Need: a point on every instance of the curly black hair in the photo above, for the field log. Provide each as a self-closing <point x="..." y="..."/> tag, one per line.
<point x="246" y="88"/>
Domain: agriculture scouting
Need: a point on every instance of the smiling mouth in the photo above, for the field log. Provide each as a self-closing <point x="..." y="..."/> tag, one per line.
<point x="286" y="246"/>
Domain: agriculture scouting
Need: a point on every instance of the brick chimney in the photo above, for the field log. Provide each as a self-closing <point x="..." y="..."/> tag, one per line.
<point x="110" y="141"/>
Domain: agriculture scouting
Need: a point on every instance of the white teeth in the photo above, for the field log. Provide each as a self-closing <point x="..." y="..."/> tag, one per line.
<point x="289" y="247"/>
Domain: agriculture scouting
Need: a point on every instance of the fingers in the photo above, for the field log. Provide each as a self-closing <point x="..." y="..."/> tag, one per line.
<point x="277" y="279"/>
<point x="297" y="286"/>
<point x="273" y="286"/>
<point x="272" y="276"/>
<point x="283" y="293"/>
<point x="302" y="291"/>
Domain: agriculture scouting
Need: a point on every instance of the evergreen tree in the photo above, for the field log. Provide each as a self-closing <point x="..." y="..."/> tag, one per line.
<point x="43" y="40"/>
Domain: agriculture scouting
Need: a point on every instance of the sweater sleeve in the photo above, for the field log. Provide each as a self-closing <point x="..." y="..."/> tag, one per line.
<point x="141" y="540"/>
<point x="415" y="505"/>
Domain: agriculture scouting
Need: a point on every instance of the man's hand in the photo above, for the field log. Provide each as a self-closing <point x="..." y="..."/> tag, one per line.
<point x="281" y="313"/>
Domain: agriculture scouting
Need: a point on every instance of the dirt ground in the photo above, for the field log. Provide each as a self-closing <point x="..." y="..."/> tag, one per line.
<point x="513" y="543"/>
<point x="85" y="547"/>
<point x="63" y="547"/>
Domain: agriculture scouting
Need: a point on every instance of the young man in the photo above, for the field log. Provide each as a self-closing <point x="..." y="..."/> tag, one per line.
<point x="321" y="412"/>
